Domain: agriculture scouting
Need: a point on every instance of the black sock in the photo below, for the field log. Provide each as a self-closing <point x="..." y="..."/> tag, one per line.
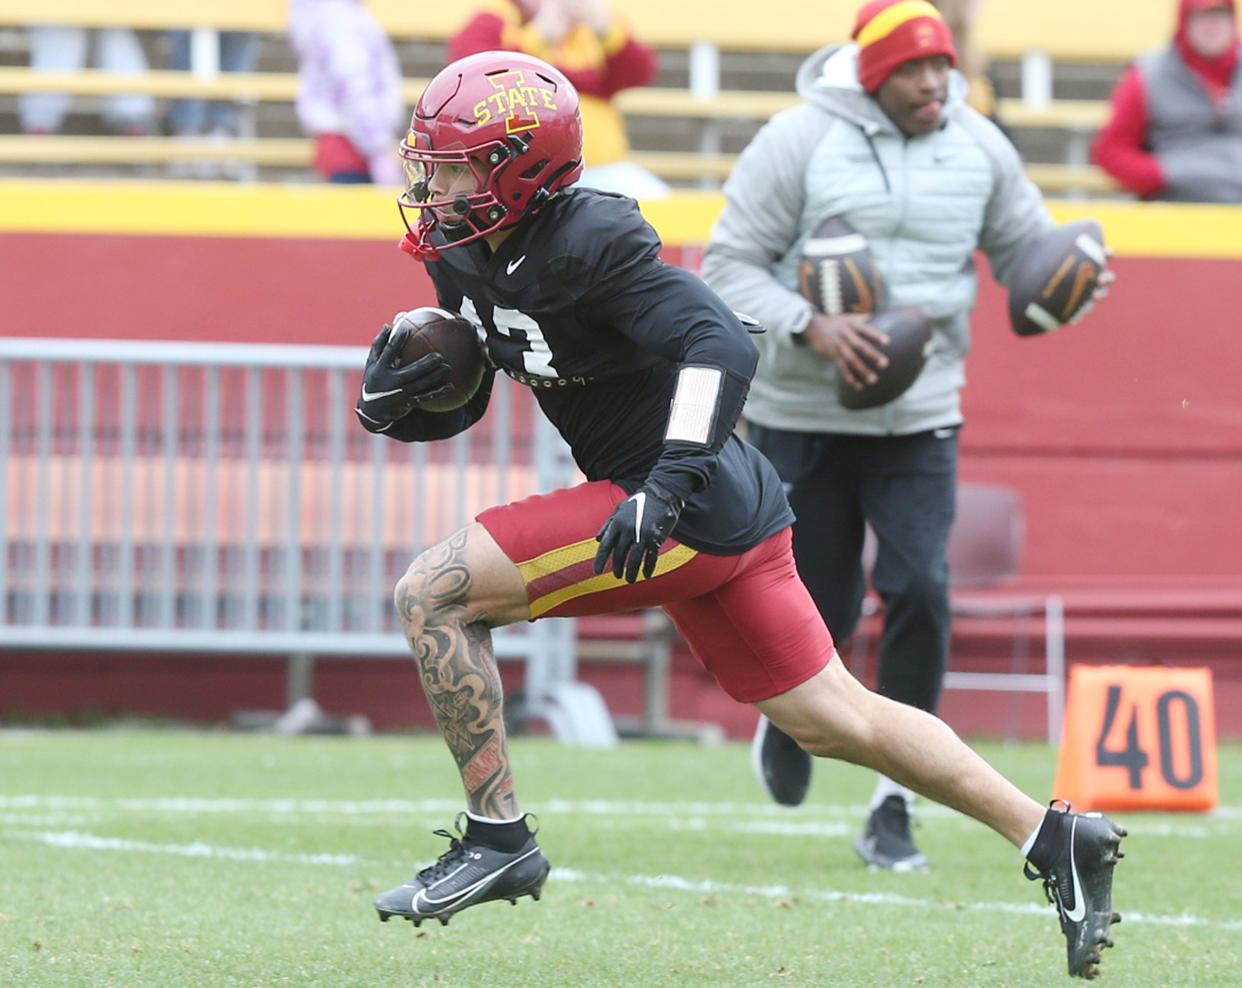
<point x="508" y="836"/>
<point x="1047" y="841"/>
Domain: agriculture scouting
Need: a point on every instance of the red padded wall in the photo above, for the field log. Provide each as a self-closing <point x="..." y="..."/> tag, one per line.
<point x="1123" y="434"/>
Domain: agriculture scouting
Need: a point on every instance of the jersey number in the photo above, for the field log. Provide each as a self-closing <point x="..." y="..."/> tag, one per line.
<point x="537" y="355"/>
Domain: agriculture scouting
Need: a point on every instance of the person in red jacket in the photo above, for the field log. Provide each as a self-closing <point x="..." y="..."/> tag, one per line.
<point x="595" y="50"/>
<point x="1175" y="131"/>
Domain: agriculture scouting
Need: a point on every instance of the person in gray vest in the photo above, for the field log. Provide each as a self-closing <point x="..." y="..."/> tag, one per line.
<point x="886" y="141"/>
<point x="1175" y="127"/>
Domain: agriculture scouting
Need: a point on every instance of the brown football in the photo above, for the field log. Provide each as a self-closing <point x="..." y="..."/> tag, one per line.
<point x="837" y="272"/>
<point x="1054" y="277"/>
<point x="909" y="332"/>
<point x="455" y="339"/>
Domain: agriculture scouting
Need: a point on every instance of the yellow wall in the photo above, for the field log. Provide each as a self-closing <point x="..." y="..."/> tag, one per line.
<point x="1134" y="229"/>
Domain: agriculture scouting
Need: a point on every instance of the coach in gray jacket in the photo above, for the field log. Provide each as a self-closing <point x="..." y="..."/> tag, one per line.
<point x="885" y="140"/>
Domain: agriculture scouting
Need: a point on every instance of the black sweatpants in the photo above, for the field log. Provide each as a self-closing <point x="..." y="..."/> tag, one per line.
<point x="905" y="488"/>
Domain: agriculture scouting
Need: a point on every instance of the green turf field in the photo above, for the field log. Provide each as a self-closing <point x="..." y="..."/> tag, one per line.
<point x="181" y="859"/>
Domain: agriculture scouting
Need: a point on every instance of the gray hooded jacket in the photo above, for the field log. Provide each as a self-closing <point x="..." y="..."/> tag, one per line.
<point x="925" y="204"/>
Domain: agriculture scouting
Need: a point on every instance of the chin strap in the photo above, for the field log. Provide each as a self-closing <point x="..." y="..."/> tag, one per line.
<point x="409" y="245"/>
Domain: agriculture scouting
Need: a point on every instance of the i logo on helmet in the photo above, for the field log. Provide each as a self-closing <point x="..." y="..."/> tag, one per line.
<point x="515" y="101"/>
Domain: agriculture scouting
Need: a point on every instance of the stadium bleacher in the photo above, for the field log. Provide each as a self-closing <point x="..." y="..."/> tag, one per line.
<point x="724" y="75"/>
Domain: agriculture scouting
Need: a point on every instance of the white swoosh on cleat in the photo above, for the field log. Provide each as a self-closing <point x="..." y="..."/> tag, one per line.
<point x="439" y="905"/>
<point x="1076" y="914"/>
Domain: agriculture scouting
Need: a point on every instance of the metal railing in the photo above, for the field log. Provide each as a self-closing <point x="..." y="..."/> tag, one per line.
<point x="221" y="498"/>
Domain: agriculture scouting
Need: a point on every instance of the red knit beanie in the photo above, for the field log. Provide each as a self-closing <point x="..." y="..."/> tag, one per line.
<point x="891" y="32"/>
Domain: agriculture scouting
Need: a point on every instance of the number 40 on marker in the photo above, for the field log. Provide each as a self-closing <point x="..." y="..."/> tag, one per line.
<point x="1139" y="738"/>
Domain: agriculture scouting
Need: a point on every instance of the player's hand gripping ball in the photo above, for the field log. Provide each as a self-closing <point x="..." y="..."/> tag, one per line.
<point x="432" y="332"/>
<point x="1057" y="277"/>
<point x="427" y="358"/>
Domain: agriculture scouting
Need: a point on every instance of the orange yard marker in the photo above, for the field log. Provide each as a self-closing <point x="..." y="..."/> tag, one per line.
<point x="1138" y="738"/>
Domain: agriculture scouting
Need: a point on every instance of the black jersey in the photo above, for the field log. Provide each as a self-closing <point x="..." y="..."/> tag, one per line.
<point x="577" y="305"/>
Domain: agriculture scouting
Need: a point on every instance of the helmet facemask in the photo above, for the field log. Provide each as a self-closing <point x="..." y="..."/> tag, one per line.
<point x="465" y="215"/>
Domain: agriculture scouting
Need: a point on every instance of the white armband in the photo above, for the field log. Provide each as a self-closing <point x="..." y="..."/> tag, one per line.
<point x="696" y="403"/>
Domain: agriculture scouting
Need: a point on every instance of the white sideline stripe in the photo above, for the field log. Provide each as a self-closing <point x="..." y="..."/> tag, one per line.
<point x="762" y="827"/>
<point x="77" y="840"/>
<point x="580" y="807"/>
<point x="775" y="828"/>
<point x="48" y="820"/>
<point x="702" y="887"/>
<point x="587" y="807"/>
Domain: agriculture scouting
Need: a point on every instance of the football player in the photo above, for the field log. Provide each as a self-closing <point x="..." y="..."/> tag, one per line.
<point x="643" y="370"/>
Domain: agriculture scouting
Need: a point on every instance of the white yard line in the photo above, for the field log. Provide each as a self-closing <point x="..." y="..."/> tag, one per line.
<point x="802" y="816"/>
<point x="79" y="840"/>
<point x="772" y="828"/>
<point x="579" y="807"/>
<point x="701" y="887"/>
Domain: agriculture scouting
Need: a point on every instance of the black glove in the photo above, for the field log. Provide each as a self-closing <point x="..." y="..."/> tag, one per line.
<point x="390" y="392"/>
<point x="634" y="532"/>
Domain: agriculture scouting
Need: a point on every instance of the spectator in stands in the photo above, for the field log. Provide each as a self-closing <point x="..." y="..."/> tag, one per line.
<point x="961" y="15"/>
<point x="1175" y="130"/>
<point x="349" y="90"/>
<point x="597" y="53"/>
<point x="880" y="118"/>
<point x="62" y="48"/>
<point x="237" y="51"/>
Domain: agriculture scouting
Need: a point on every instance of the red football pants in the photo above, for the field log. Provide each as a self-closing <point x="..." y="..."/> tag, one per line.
<point x="748" y="619"/>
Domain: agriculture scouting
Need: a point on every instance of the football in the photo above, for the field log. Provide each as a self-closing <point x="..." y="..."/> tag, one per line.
<point x="1054" y="277"/>
<point x="837" y="273"/>
<point x="455" y="339"/>
<point x="909" y="332"/>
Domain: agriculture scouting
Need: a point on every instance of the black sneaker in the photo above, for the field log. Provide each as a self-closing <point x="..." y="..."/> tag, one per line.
<point x="465" y="875"/>
<point x="1078" y="880"/>
<point x="782" y="768"/>
<point x="886" y="843"/>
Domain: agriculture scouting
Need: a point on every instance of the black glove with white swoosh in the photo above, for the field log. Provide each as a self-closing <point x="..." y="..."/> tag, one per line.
<point x="635" y="530"/>
<point x="390" y="392"/>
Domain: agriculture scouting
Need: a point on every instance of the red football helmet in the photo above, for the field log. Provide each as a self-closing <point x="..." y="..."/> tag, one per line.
<point x="510" y="118"/>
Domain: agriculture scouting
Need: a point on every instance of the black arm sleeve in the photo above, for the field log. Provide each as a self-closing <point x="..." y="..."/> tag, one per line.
<point x="667" y="310"/>
<point x="422" y="427"/>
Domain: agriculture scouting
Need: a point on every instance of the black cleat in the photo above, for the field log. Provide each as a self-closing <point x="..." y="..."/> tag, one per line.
<point x="465" y="875"/>
<point x="1079" y="882"/>
<point x="782" y="768"/>
<point x="886" y="844"/>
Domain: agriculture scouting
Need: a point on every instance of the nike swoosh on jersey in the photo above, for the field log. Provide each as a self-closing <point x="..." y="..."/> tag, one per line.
<point x="376" y="395"/>
<point x="1076" y="914"/>
<point x="514" y="265"/>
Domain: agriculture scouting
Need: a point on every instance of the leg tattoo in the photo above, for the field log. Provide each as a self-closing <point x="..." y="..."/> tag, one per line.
<point x="459" y="674"/>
